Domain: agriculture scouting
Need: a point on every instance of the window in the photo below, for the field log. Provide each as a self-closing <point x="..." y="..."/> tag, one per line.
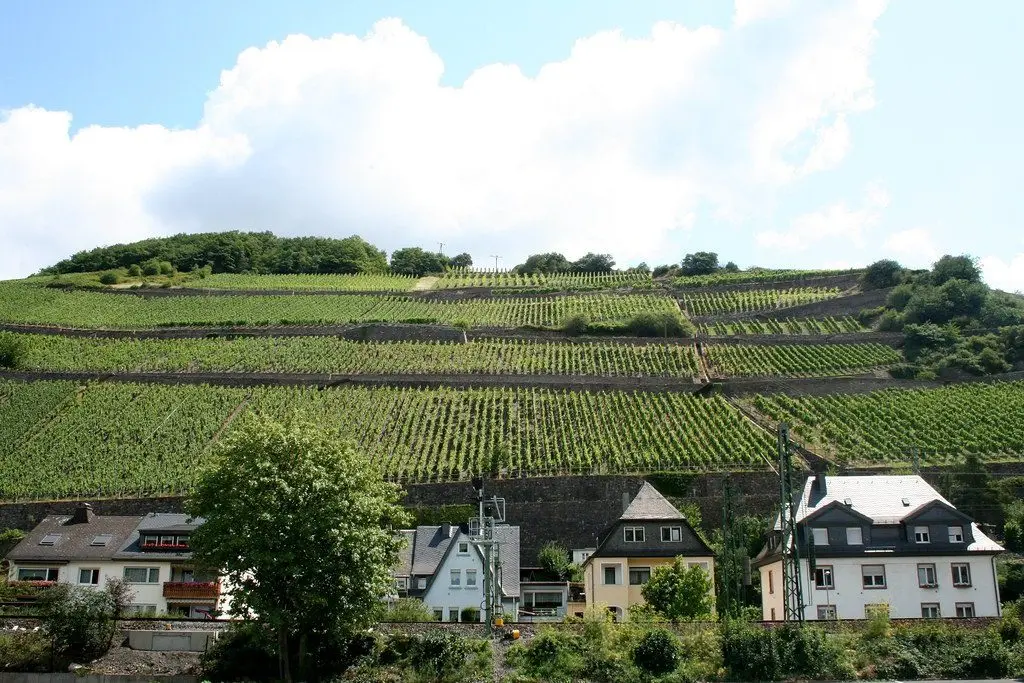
<point x="453" y="614"/>
<point x="142" y="610"/>
<point x="827" y="613"/>
<point x="470" y="578"/>
<point x="956" y="534"/>
<point x="438" y="614"/>
<point x="854" y="535"/>
<point x="456" y="575"/>
<point x="926" y="576"/>
<point x="820" y="536"/>
<point x="638" y="576"/>
<point x="167" y="540"/>
<point x="965" y="610"/>
<point x="610" y="575"/>
<point x="102" y="539"/>
<point x="421" y="582"/>
<point x="929" y="610"/>
<point x="771" y="584"/>
<point x="402" y="583"/>
<point x="921" y="535"/>
<point x="633" y="534"/>
<point x="463" y="547"/>
<point x="671" y="534"/>
<point x="37" y="573"/>
<point x="873" y="575"/>
<point x="90" y="577"/>
<point x="142" y="574"/>
<point x="874" y="608"/>
<point x="150" y="541"/>
<point x="961" y="574"/>
<point x="50" y="539"/>
<point x="824" y="579"/>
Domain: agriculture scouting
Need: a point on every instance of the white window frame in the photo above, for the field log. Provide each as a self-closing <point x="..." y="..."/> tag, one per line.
<point x="671" y="534"/>
<point x="463" y="544"/>
<point x="931" y="610"/>
<point x="865" y="572"/>
<point x="149" y="575"/>
<point x="960" y="568"/>
<point x="956" y="534"/>
<point x="922" y="534"/>
<point x="827" y="613"/>
<point x="820" y="535"/>
<point x="854" y="535"/>
<point x="962" y="609"/>
<point x="633" y="534"/>
<point x="48" y="572"/>
<point x="617" y="573"/>
<point x="829" y="574"/>
<point x="421" y="583"/>
<point x="455" y="578"/>
<point x="470" y="578"/>
<point x="922" y="575"/>
<point x="639" y="569"/>
<point x="94" y="573"/>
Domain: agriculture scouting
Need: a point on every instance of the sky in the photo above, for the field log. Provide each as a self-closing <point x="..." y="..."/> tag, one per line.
<point x="782" y="133"/>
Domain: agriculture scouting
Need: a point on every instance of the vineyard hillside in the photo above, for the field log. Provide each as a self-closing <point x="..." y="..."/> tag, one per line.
<point x="114" y="384"/>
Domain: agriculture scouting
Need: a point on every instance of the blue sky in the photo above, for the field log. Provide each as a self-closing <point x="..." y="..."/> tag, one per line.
<point x="775" y="132"/>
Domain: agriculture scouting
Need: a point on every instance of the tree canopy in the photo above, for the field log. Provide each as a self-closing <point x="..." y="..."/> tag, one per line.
<point x="680" y="593"/>
<point x="303" y="528"/>
<point x="699" y="263"/>
<point x="551" y="262"/>
<point x="234" y="252"/>
<point x="882" y="274"/>
<point x="418" y="262"/>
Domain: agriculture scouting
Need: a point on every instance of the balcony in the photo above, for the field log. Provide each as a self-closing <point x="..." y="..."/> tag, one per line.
<point x="27" y="590"/>
<point x="192" y="590"/>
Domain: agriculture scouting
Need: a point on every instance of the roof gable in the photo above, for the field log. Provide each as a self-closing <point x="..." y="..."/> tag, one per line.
<point x="882" y="498"/>
<point x="934" y="505"/>
<point x="648" y="503"/>
<point x="837" y="507"/>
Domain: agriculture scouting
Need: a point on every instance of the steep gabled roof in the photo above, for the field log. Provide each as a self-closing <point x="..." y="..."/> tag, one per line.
<point x="74" y="541"/>
<point x="404" y="565"/>
<point x="430" y="546"/>
<point x="651" y="505"/>
<point x="884" y="498"/>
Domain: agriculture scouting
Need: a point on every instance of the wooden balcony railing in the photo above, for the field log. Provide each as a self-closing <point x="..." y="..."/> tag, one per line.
<point x="188" y="589"/>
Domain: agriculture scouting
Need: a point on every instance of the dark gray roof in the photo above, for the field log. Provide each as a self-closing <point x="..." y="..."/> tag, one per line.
<point x="404" y="565"/>
<point x="157" y="522"/>
<point x="508" y="536"/>
<point x="74" y="540"/>
<point x="649" y="504"/>
<point x="429" y="546"/>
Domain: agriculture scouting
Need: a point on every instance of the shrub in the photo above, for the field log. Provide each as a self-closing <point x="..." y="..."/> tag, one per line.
<point x="166" y="268"/>
<point x="554" y="559"/>
<point x="469" y="615"/>
<point x="12" y="350"/>
<point x="24" y="652"/>
<point x="759" y="654"/>
<point x="245" y="651"/>
<point x="660" y="325"/>
<point x="81" y="622"/>
<point x="151" y="267"/>
<point x="109" y="278"/>
<point x="409" y="610"/>
<point x="134" y="270"/>
<point x="657" y="652"/>
<point x="439" y="654"/>
<point x="882" y="274"/>
<point x="576" y="325"/>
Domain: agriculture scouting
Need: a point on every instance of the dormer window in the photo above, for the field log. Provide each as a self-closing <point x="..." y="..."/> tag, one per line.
<point x="671" y="534"/>
<point x="922" y="535"/>
<point x="854" y="535"/>
<point x="101" y="540"/>
<point x="956" y="534"/>
<point x="174" y="542"/>
<point x="633" y="534"/>
<point x="50" y="539"/>
<point x="820" y="536"/>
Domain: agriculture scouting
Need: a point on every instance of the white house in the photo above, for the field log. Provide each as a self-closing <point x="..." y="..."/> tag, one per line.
<point x="883" y="542"/>
<point x="441" y="566"/>
<point x="151" y="553"/>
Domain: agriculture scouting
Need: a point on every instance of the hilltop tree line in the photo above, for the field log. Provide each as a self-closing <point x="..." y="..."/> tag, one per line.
<point x="952" y="322"/>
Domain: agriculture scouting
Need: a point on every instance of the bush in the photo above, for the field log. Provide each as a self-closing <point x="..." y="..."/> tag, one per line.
<point x="660" y="325"/>
<point x="753" y="653"/>
<point x="24" y="653"/>
<point x="81" y="621"/>
<point x="470" y="615"/>
<point x="409" y="610"/>
<point x="109" y="278"/>
<point x="166" y="268"/>
<point x="151" y="267"/>
<point x="12" y="350"/>
<point x="882" y="274"/>
<point x="576" y="325"/>
<point x="134" y="270"/>
<point x="657" y="652"/>
<point x="439" y="654"/>
<point x="244" y="652"/>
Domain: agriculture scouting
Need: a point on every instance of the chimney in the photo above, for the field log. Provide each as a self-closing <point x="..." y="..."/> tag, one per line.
<point x="446" y="530"/>
<point x="820" y="487"/>
<point x="83" y="514"/>
<point x="625" y="501"/>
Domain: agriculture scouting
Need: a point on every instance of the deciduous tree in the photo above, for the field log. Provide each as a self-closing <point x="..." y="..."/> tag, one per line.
<point x="680" y="593"/>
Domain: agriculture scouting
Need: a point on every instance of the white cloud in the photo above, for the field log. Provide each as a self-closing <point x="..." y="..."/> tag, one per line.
<point x="749" y="11"/>
<point x="1007" y="275"/>
<point x="617" y="148"/>
<point x="835" y="223"/>
<point x="913" y="248"/>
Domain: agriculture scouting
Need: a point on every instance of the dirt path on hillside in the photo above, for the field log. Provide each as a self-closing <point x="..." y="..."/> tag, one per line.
<point x="425" y="283"/>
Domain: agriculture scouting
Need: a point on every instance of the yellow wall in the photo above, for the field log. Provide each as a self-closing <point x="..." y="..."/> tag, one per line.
<point x="622" y="595"/>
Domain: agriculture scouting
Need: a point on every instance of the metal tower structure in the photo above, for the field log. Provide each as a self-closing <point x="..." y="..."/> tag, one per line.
<point x="730" y="573"/>
<point x="792" y="592"/>
<point x="481" y="534"/>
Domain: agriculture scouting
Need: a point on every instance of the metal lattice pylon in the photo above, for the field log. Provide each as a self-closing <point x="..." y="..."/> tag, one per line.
<point x="792" y="593"/>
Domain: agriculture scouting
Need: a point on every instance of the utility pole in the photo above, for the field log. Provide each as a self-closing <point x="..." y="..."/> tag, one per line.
<point x="792" y="591"/>
<point x="495" y="257"/>
<point x="732" y="575"/>
<point x="440" y="247"/>
<point x="481" y="534"/>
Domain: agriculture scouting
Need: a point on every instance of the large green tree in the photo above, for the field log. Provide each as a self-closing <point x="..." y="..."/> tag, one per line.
<point x="680" y="593"/>
<point x="303" y="528"/>
<point x="699" y="263"/>
<point x="416" y="261"/>
<point x="551" y="262"/>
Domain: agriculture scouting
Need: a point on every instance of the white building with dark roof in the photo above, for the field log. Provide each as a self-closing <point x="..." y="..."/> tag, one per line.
<point x="883" y="542"/>
<point x="150" y="552"/>
<point x="441" y="566"/>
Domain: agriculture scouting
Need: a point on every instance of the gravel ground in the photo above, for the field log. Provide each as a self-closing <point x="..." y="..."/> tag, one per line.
<point x="122" y="660"/>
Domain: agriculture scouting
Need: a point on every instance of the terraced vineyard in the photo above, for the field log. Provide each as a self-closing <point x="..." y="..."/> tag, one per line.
<point x="572" y="282"/>
<point x="829" y="325"/>
<point x="340" y="283"/>
<point x="765" y="276"/>
<point x="754" y="300"/>
<point x="944" y="424"/>
<point x="21" y="303"/>
<point x="23" y="407"/>
<point x="333" y="355"/>
<point x="121" y="439"/>
<point x="812" y="360"/>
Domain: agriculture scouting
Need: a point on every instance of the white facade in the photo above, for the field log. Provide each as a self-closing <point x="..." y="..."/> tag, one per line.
<point x="458" y="584"/>
<point x="581" y="555"/>
<point x="914" y="587"/>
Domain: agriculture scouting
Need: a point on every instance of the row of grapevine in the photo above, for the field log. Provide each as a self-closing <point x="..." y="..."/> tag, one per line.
<point x="24" y="407"/>
<point x="755" y="276"/>
<point x="829" y="325"/>
<point x="754" y="300"/>
<point x="359" y="282"/>
<point x="340" y="356"/>
<point x="129" y="438"/>
<point x="457" y="279"/>
<point x="21" y="303"/>
<point x="943" y="424"/>
<point x="740" y="360"/>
